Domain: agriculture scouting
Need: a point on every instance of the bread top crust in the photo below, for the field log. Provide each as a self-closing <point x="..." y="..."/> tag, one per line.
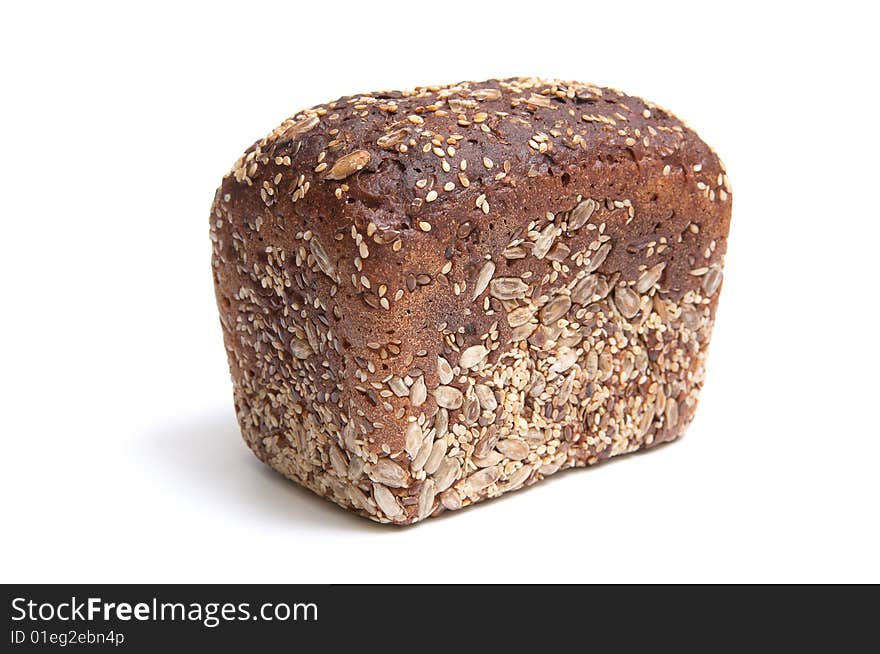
<point x="406" y="155"/>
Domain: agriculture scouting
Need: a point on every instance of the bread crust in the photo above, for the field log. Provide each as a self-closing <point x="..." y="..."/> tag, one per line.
<point x="437" y="296"/>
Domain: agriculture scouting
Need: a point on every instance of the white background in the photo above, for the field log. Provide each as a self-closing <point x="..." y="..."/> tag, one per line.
<point x="121" y="457"/>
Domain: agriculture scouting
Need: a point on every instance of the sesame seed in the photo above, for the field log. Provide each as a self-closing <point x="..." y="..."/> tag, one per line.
<point x="424" y="226"/>
<point x="431" y="196"/>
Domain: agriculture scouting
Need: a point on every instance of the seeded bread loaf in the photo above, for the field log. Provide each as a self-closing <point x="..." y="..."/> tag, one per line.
<point x="437" y="296"/>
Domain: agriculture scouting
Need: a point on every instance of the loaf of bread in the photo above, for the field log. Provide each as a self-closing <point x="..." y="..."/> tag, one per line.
<point x="437" y="296"/>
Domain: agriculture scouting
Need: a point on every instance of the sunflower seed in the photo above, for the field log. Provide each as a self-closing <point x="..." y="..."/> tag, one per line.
<point x="486" y="444"/>
<point x="338" y="461"/>
<point x="321" y="258"/>
<point x="461" y="105"/>
<point x="513" y="449"/>
<point x="518" y="478"/>
<point x="471" y="409"/>
<point x="483" y="278"/>
<point x="671" y="413"/>
<point x="348" y="165"/>
<point x="300" y="127"/>
<point x="359" y="500"/>
<point x="581" y="214"/>
<point x="584" y="290"/>
<point x="689" y="318"/>
<point x="446" y="474"/>
<point x="598" y="258"/>
<point x="418" y="393"/>
<point x="300" y="349"/>
<point x="486" y="94"/>
<point x="390" y="140"/>
<point x="426" y="498"/>
<point x="448" y="397"/>
<point x="349" y="437"/>
<point x="642" y="361"/>
<point x="481" y="480"/>
<point x="603" y="288"/>
<point x="558" y="252"/>
<point x="441" y="423"/>
<point x="535" y="437"/>
<point x="451" y="500"/>
<point x="438" y="451"/>
<point x="591" y="364"/>
<point x="387" y="472"/>
<point x="444" y="370"/>
<point x="424" y="452"/>
<point x="646" y="421"/>
<point x="387" y="502"/>
<point x="650" y="277"/>
<point x="539" y="101"/>
<point x="627" y="301"/>
<point x="413" y="439"/>
<point x="486" y="397"/>
<point x="522" y="332"/>
<point x="519" y="316"/>
<point x="398" y="387"/>
<point x="712" y="281"/>
<point x="508" y="288"/>
<point x="564" y="392"/>
<point x="565" y="359"/>
<point x="555" y="309"/>
<point x="545" y="241"/>
<point x="660" y="308"/>
<point x="514" y="252"/>
<point x="355" y="468"/>
<point x="491" y="459"/>
<point x="472" y="356"/>
<point x="538" y="384"/>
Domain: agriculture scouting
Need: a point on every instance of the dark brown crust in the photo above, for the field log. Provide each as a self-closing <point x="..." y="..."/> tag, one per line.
<point x="673" y="208"/>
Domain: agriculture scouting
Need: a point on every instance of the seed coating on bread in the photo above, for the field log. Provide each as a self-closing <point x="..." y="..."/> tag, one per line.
<point x="436" y="296"/>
